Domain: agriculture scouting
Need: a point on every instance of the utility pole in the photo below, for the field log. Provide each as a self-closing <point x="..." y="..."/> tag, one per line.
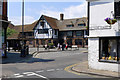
<point x="23" y="46"/>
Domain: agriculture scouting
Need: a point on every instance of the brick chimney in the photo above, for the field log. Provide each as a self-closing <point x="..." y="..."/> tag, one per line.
<point x="61" y="16"/>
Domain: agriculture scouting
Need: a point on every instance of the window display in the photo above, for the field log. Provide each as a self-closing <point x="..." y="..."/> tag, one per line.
<point x="109" y="49"/>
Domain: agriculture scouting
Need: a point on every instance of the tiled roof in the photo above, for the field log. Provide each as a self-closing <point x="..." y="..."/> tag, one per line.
<point x="52" y="21"/>
<point x="62" y="24"/>
<point x="18" y="29"/>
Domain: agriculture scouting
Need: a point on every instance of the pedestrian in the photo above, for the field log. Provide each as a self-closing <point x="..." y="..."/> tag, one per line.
<point x="58" y="46"/>
<point x="46" y="46"/>
<point x="66" y="46"/>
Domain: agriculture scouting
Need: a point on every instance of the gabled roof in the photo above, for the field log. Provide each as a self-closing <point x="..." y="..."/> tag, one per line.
<point x="51" y="21"/>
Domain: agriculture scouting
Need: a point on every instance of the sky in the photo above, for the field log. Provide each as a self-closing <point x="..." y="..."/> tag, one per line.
<point x="33" y="10"/>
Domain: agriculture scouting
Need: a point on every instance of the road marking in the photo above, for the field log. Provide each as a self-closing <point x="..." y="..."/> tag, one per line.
<point x="18" y="75"/>
<point x="39" y="71"/>
<point x="51" y="70"/>
<point x="34" y="74"/>
<point x="59" y="69"/>
<point x="67" y="69"/>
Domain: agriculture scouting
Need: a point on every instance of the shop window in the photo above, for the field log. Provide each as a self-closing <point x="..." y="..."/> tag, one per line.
<point x="79" y="33"/>
<point x="69" y="34"/>
<point x="78" y="42"/>
<point x="109" y="49"/>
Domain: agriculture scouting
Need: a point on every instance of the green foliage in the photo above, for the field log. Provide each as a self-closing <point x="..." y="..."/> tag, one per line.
<point x="10" y="31"/>
<point x="50" y="44"/>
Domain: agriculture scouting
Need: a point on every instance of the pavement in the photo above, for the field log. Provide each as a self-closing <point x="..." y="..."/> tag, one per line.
<point x="14" y="57"/>
<point x="82" y="67"/>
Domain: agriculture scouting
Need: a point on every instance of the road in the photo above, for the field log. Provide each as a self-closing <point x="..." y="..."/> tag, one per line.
<point x="47" y="65"/>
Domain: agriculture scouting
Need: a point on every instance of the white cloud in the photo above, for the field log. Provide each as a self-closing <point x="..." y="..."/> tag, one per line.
<point x="76" y="11"/>
<point x="18" y="20"/>
<point x="70" y="12"/>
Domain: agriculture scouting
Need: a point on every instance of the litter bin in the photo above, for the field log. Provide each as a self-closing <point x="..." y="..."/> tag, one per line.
<point x="22" y="53"/>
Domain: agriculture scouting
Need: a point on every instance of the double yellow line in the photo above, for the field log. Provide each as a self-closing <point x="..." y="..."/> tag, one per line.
<point x="70" y="67"/>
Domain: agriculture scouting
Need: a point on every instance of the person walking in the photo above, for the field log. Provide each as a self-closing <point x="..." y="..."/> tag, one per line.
<point x="66" y="46"/>
<point x="58" y="46"/>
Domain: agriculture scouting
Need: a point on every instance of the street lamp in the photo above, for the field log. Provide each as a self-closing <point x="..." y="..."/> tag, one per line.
<point x="23" y="46"/>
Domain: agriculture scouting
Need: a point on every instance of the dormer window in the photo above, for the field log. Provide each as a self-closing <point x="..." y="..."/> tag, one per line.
<point x="70" y="25"/>
<point x="117" y="9"/>
<point x="81" y="25"/>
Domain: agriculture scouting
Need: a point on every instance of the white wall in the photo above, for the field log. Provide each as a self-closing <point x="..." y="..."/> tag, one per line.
<point x="98" y="12"/>
<point x="43" y="36"/>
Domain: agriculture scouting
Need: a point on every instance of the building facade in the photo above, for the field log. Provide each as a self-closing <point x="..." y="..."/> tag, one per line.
<point x="3" y="26"/>
<point x="46" y="30"/>
<point x="104" y="36"/>
<point x="73" y="31"/>
<point x="70" y="31"/>
<point x="51" y="30"/>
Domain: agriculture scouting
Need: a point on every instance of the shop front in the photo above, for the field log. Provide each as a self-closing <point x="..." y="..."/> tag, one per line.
<point x="104" y="53"/>
<point x="109" y="50"/>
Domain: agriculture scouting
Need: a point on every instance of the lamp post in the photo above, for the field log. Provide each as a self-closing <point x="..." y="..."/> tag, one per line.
<point x="23" y="46"/>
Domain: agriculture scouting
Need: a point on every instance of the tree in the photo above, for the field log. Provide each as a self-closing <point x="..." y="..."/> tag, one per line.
<point x="10" y="31"/>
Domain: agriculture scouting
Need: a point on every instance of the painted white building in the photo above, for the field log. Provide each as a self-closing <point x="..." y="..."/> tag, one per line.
<point x="46" y="29"/>
<point x="104" y="39"/>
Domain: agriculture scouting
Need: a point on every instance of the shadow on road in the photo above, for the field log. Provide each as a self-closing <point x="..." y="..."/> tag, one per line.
<point x="15" y="58"/>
